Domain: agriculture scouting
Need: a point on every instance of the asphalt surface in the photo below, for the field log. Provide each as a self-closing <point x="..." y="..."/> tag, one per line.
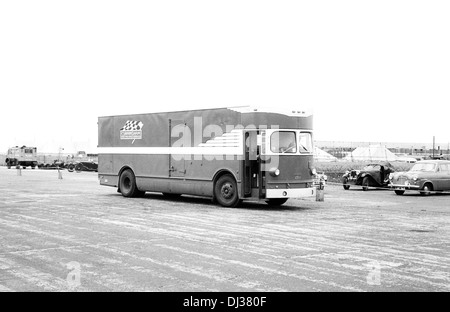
<point x="72" y="234"/>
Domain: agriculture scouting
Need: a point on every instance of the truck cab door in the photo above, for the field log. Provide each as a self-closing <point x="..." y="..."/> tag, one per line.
<point x="252" y="168"/>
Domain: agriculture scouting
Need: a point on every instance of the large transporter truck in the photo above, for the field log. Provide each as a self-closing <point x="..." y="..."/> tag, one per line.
<point x="21" y="157"/>
<point x="228" y="154"/>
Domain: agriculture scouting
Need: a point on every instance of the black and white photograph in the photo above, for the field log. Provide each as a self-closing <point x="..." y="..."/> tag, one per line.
<point x="224" y="151"/>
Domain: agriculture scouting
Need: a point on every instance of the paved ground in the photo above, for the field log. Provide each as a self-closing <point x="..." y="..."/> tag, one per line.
<point x="72" y="234"/>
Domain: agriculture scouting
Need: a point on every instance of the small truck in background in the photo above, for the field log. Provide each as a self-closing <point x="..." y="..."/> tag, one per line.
<point x="22" y="157"/>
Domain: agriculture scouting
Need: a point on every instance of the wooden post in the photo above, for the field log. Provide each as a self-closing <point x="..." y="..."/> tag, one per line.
<point x="320" y="192"/>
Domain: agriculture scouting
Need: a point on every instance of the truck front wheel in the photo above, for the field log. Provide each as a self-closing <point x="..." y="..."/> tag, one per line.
<point x="226" y="192"/>
<point x="127" y="184"/>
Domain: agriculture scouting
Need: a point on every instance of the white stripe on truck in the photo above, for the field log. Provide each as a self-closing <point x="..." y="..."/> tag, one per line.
<point x="171" y="150"/>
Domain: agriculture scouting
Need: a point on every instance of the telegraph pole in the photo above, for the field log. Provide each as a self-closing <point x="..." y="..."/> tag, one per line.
<point x="433" y="146"/>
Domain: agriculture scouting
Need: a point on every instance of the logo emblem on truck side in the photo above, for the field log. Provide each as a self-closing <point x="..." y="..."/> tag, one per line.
<point x="132" y="130"/>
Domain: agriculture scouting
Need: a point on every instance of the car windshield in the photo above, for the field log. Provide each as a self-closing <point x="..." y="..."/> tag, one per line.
<point x="371" y="167"/>
<point x="424" y="167"/>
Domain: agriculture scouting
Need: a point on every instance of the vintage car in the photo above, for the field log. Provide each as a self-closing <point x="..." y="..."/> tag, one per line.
<point x="57" y="164"/>
<point x="425" y="176"/>
<point x="83" y="166"/>
<point x="374" y="174"/>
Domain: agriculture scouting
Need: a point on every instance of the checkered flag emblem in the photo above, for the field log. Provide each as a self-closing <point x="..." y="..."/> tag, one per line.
<point x="132" y="125"/>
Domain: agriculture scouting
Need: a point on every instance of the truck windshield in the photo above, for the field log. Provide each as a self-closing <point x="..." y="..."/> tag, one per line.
<point x="283" y="142"/>
<point x="305" y="142"/>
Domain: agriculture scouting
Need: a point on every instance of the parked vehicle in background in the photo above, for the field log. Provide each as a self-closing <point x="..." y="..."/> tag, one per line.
<point x="21" y="157"/>
<point x="425" y="176"/>
<point x="374" y="174"/>
<point x="82" y="166"/>
<point x="402" y="157"/>
<point x="56" y="164"/>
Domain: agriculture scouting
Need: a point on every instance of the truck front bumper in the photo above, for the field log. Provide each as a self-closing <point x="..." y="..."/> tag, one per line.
<point x="291" y="193"/>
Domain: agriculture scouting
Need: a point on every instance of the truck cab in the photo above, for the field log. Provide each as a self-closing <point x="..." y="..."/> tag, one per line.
<point x="21" y="157"/>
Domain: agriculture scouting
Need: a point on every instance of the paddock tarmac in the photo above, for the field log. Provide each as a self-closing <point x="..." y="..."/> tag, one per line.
<point x="72" y="234"/>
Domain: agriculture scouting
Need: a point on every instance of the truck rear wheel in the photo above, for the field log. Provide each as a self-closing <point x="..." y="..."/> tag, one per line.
<point x="127" y="184"/>
<point x="226" y="192"/>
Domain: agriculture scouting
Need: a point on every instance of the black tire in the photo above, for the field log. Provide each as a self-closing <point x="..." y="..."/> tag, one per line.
<point x="399" y="192"/>
<point x="345" y="185"/>
<point x="276" y="201"/>
<point x="8" y="166"/>
<point x="226" y="192"/>
<point x="365" y="184"/>
<point x="78" y="168"/>
<point x="127" y="185"/>
<point x="427" y="188"/>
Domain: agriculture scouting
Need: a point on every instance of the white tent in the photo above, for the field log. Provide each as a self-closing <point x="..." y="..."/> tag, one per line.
<point x="371" y="153"/>
<point x="321" y="155"/>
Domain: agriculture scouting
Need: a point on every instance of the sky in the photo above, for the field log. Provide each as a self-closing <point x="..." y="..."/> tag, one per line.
<point x="371" y="71"/>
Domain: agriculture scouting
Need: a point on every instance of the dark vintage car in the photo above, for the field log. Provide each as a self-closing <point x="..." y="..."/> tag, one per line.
<point x="83" y="166"/>
<point x="55" y="165"/>
<point x="425" y="176"/>
<point x="374" y="174"/>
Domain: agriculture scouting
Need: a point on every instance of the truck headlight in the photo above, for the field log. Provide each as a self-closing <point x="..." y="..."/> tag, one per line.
<point x="313" y="171"/>
<point x="275" y="172"/>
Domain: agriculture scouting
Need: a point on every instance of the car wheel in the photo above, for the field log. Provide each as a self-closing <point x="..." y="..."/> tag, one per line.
<point x="276" y="201"/>
<point x="427" y="188"/>
<point x="127" y="183"/>
<point x="345" y="185"/>
<point x="399" y="192"/>
<point x="226" y="192"/>
<point x="365" y="184"/>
